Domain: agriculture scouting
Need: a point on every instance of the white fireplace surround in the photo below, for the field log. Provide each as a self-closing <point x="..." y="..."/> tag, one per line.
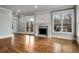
<point x="42" y="25"/>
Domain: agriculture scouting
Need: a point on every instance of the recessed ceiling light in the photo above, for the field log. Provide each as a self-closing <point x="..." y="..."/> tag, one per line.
<point x="36" y="6"/>
<point x="32" y="19"/>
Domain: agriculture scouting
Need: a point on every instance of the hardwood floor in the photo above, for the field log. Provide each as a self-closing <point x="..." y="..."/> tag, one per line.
<point x="20" y="43"/>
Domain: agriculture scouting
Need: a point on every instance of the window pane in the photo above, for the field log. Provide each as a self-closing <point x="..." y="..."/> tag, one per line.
<point x="57" y="23"/>
<point x="67" y="23"/>
<point x="31" y="26"/>
<point x="27" y="26"/>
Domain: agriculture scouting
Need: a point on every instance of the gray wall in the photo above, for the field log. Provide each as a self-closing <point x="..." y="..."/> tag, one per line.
<point x="5" y="22"/>
<point x="21" y="23"/>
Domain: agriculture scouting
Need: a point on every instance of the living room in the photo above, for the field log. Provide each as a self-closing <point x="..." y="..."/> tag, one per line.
<point x="39" y="28"/>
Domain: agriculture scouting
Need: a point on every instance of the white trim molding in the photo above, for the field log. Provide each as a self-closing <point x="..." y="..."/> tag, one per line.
<point x="4" y="9"/>
<point x="6" y="36"/>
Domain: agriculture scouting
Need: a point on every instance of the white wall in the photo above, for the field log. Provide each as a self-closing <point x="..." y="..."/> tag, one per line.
<point x="43" y="17"/>
<point x="5" y="22"/>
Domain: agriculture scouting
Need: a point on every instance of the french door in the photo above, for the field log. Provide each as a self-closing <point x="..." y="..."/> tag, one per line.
<point x="63" y="22"/>
<point x="29" y="24"/>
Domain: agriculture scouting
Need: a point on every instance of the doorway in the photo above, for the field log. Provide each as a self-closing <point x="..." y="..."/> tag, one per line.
<point x="29" y="24"/>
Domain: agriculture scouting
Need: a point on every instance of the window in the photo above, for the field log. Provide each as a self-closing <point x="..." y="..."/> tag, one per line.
<point x="29" y="24"/>
<point x="57" y="23"/>
<point x="67" y="23"/>
<point x="63" y="22"/>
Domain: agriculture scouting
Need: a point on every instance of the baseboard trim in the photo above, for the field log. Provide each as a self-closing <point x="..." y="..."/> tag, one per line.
<point x="65" y="38"/>
<point x="2" y="37"/>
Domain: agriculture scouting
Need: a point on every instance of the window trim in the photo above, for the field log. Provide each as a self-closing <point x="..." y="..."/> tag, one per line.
<point x="63" y="12"/>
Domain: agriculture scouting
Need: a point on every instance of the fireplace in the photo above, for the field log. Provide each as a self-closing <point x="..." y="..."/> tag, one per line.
<point x="43" y="30"/>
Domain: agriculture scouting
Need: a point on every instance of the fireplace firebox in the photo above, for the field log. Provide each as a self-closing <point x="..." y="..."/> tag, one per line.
<point x="43" y="30"/>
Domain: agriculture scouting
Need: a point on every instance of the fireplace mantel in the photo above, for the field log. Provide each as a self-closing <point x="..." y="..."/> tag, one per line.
<point x="42" y="24"/>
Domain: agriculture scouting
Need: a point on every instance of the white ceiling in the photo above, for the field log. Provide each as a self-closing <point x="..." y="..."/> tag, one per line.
<point x="31" y="8"/>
